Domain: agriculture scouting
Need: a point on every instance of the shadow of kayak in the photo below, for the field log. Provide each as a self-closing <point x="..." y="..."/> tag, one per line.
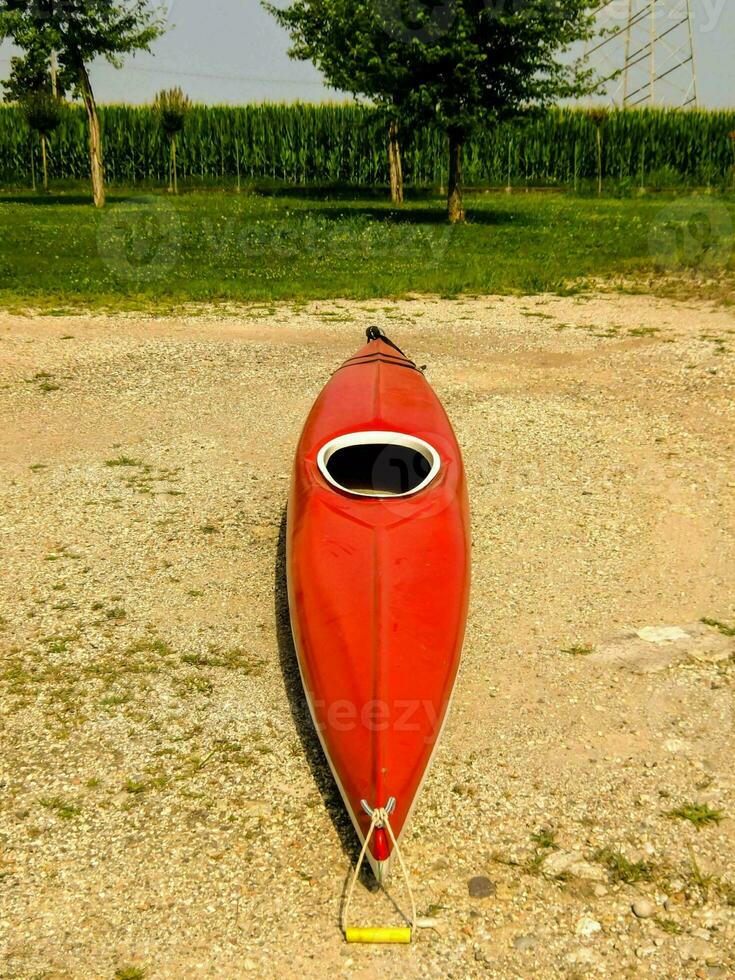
<point x="310" y="744"/>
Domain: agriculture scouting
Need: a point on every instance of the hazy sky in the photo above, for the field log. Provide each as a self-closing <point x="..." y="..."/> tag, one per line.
<point x="233" y="51"/>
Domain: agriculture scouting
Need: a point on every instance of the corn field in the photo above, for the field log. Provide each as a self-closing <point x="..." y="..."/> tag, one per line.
<point x="302" y="144"/>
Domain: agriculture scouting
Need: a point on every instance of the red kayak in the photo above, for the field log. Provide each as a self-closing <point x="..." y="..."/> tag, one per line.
<point x="378" y="580"/>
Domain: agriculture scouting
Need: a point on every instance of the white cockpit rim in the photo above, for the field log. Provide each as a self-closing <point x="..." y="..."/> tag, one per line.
<point x="378" y="464"/>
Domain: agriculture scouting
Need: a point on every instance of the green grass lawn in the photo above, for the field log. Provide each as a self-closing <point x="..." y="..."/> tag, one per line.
<point x="157" y="252"/>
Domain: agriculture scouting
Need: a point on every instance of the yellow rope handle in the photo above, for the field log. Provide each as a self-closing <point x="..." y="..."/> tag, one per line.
<point x="378" y="934"/>
<point x="379" y="817"/>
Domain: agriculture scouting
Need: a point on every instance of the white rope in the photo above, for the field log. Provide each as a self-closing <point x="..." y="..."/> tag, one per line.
<point x="379" y="818"/>
<point x="403" y="869"/>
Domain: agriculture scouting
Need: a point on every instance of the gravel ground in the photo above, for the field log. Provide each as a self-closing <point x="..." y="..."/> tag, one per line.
<point x="164" y="810"/>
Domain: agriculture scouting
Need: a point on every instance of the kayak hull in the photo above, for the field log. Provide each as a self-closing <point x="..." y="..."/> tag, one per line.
<point x="378" y="580"/>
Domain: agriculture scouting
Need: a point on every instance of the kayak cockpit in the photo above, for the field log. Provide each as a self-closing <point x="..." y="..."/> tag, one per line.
<point x="378" y="464"/>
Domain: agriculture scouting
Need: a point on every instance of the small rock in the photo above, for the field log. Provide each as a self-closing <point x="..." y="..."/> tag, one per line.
<point x="643" y="909"/>
<point x="715" y="919"/>
<point x="600" y="891"/>
<point x="524" y="943"/>
<point x="583" y="891"/>
<point x="662" y="634"/>
<point x="441" y="864"/>
<point x="481" y="887"/>
<point x="587" y="927"/>
<point x="645" y="950"/>
<point x="696" y="949"/>
<point x="426" y="922"/>
<point x="485" y="957"/>
<point x="582" y="957"/>
<point x="572" y="863"/>
<point x="717" y="972"/>
<point x="674" y="901"/>
<point x="654" y="649"/>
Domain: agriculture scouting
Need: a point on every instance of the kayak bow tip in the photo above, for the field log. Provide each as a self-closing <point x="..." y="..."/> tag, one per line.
<point x="380" y="869"/>
<point x="381" y="850"/>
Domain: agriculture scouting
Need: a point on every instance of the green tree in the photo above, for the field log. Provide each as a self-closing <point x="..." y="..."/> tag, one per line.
<point x="31" y="86"/>
<point x="31" y="73"/>
<point x="348" y="42"/>
<point x="42" y="112"/>
<point x="461" y="62"/>
<point x="81" y="30"/>
<point x="598" y="116"/>
<point x="172" y="107"/>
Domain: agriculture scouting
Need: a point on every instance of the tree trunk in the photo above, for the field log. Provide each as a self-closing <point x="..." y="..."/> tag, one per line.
<point x="394" y="164"/>
<point x="95" y="138"/>
<point x="455" y="207"/>
<point x="171" y="164"/>
<point x="45" y="161"/>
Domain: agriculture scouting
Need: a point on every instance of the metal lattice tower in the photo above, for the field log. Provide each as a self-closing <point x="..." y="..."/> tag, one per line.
<point x="646" y="52"/>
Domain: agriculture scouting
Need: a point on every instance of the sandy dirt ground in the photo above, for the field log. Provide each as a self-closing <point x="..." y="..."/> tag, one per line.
<point x="164" y="808"/>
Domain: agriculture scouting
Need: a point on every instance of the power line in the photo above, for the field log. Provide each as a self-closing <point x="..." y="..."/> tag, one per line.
<point x="217" y="76"/>
<point x="222" y="76"/>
